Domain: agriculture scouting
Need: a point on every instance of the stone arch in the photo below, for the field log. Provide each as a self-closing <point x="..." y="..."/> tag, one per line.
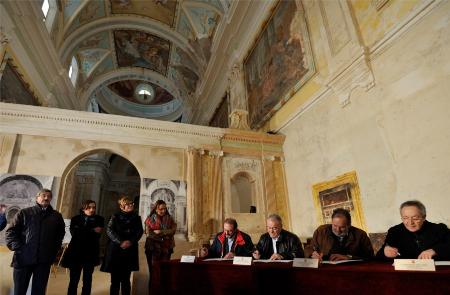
<point x="242" y="192"/>
<point x="65" y="181"/>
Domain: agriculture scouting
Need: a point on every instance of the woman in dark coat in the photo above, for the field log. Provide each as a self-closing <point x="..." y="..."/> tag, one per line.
<point x="83" y="250"/>
<point x="160" y="229"/>
<point x="121" y="257"/>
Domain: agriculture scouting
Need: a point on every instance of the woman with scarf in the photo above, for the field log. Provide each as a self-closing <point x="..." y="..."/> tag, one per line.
<point x="121" y="256"/>
<point x="160" y="228"/>
<point x="82" y="254"/>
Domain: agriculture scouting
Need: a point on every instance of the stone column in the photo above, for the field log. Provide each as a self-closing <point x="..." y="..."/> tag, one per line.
<point x="193" y="198"/>
<point x="238" y="98"/>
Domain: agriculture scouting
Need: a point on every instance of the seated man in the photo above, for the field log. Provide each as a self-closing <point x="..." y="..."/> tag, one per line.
<point x="229" y="243"/>
<point x="339" y="240"/>
<point x="415" y="237"/>
<point x="277" y="243"/>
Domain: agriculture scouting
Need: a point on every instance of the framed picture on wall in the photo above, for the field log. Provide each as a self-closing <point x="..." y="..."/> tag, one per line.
<point x="341" y="192"/>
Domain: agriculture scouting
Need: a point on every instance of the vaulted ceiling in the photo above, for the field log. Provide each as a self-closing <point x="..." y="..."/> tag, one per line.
<point x="121" y="45"/>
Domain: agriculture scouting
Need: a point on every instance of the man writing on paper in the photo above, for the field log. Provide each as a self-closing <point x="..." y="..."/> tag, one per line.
<point x="339" y="240"/>
<point x="415" y="237"/>
<point x="229" y="243"/>
<point x="277" y="243"/>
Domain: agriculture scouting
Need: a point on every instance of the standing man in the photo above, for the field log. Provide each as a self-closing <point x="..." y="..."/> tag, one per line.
<point x="229" y="243"/>
<point x="277" y="243"/>
<point x="35" y="236"/>
<point x="415" y="237"/>
<point x="339" y="240"/>
<point x="2" y="217"/>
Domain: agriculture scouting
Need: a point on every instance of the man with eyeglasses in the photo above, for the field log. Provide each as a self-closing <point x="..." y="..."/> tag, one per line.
<point x="339" y="240"/>
<point x="277" y="243"/>
<point x="415" y="237"/>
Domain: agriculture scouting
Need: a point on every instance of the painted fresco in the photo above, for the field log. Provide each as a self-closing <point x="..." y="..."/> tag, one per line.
<point x="70" y="7"/>
<point x="184" y="27"/>
<point x="205" y="20"/>
<point x="139" y="49"/>
<point x="19" y="191"/>
<point x="173" y="192"/>
<point x="160" y="10"/>
<point x="92" y="10"/>
<point x="106" y="65"/>
<point x="279" y="64"/>
<point x="13" y="89"/>
<point x="89" y="59"/>
<point x="100" y="40"/>
<point x="215" y="3"/>
<point x="179" y="56"/>
<point x="186" y="77"/>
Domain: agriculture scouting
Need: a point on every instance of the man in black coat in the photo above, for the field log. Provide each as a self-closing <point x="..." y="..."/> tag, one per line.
<point x="229" y="243"/>
<point x="35" y="236"/>
<point x="415" y="237"/>
<point x="277" y="243"/>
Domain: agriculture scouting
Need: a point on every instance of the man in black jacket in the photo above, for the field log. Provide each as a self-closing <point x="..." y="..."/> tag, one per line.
<point x="277" y="243"/>
<point x="415" y="237"/>
<point x="35" y="236"/>
<point x="229" y="243"/>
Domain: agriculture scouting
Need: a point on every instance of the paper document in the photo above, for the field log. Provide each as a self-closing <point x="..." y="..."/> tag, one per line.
<point x="218" y="259"/>
<point x="442" y="263"/>
<point x="269" y="261"/>
<point x="340" y="261"/>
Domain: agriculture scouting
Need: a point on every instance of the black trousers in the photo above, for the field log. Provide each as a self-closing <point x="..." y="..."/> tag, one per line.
<point x="75" y="273"/>
<point x="22" y="277"/>
<point x="120" y="280"/>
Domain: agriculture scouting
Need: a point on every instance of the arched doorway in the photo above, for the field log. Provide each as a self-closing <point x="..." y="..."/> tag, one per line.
<point x="102" y="176"/>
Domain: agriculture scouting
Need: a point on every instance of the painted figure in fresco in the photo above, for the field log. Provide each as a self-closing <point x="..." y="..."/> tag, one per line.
<point x="124" y="230"/>
<point x="229" y="243"/>
<point x="35" y="236"/>
<point x="339" y="240"/>
<point x="415" y="237"/>
<point x="277" y="243"/>
<point x="83" y="251"/>
<point x="160" y="228"/>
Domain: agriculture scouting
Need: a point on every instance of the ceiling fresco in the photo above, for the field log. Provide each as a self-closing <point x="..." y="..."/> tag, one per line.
<point x="160" y="10"/>
<point x="139" y="49"/>
<point x="172" y="38"/>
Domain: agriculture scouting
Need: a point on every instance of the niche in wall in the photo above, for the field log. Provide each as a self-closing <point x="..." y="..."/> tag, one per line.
<point x="242" y="193"/>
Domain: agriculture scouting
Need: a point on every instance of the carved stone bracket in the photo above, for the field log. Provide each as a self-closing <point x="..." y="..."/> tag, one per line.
<point x="358" y="74"/>
<point x="239" y="119"/>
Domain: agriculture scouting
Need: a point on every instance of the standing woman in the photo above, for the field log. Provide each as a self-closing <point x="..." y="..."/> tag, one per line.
<point x="121" y="257"/>
<point x="83" y="250"/>
<point x="160" y="228"/>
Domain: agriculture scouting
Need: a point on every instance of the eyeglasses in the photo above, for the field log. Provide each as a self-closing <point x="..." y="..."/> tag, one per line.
<point x="273" y="228"/>
<point x="129" y="204"/>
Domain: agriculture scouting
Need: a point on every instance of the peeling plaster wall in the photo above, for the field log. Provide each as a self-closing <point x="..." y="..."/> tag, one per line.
<point x="396" y="135"/>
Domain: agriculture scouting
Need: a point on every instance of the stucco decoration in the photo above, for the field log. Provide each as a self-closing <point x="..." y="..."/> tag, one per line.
<point x="163" y="11"/>
<point x="140" y="49"/>
<point x="279" y="63"/>
<point x="173" y="192"/>
<point x="19" y="191"/>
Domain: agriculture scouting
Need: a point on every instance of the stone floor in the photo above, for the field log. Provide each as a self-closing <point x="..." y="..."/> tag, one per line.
<point x="59" y="280"/>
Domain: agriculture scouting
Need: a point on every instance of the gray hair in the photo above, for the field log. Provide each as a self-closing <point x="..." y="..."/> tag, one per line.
<point x="44" y="190"/>
<point x="416" y="204"/>
<point x="275" y="217"/>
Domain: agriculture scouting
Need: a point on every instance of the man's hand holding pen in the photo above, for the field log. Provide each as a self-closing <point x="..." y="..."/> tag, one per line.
<point x="316" y="254"/>
<point x="391" y="252"/>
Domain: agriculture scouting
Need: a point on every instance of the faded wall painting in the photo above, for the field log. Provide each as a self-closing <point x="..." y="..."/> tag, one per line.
<point x="19" y="191"/>
<point x="342" y="192"/>
<point x="160" y="10"/>
<point x="279" y="63"/>
<point x="139" y="49"/>
<point x="173" y="192"/>
<point x="13" y="88"/>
